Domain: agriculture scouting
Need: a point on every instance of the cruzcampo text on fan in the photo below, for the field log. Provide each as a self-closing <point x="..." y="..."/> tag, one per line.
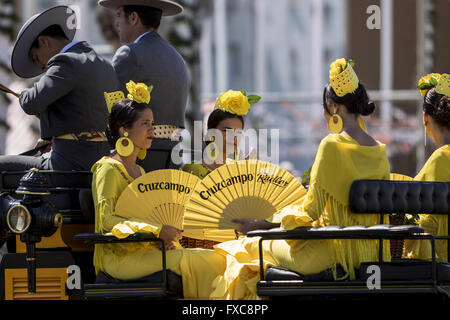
<point x="163" y="186"/>
<point x="242" y="179"/>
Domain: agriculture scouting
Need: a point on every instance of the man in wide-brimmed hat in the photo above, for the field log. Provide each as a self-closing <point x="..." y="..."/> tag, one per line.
<point x="146" y="57"/>
<point x="68" y="98"/>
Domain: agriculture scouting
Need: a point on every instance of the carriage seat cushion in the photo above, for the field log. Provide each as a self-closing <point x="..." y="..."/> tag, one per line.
<point x="407" y="269"/>
<point x="277" y="273"/>
<point x="174" y="283"/>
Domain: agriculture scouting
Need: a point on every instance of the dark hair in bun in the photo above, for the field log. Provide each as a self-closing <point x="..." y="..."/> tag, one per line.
<point x="123" y="114"/>
<point x="438" y="107"/>
<point x="357" y="102"/>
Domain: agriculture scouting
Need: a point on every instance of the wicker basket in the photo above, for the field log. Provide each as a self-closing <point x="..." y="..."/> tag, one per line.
<point x="187" y="242"/>
<point x="396" y="245"/>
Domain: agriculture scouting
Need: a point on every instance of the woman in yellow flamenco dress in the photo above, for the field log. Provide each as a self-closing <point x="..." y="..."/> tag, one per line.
<point x="344" y="156"/>
<point x="130" y="131"/>
<point x="225" y="127"/>
<point x="436" y="118"/>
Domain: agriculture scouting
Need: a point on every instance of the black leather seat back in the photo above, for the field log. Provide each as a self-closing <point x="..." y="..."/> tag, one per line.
<point x="385" y="196"/>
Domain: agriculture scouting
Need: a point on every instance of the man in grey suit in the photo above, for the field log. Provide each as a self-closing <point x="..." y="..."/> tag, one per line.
<point x="150" y="59"/>
<point x="68" y="99"/>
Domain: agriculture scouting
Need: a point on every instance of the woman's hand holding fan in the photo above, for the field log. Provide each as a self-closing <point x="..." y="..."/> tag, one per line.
<point x="170" y="235"/>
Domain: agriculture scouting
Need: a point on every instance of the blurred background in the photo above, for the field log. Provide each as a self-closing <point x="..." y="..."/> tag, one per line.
<point x="280" y="50"/>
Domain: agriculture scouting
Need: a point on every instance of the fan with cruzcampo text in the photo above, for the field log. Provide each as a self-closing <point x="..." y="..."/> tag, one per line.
<point x="243" y="189"/>
<point x="158" y="196"/>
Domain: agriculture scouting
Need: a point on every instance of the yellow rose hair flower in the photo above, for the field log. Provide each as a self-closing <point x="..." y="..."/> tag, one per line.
<point x="428" y="82"/>
<point x="337" y="67"/>
<point x="139" y="92"/>
<point x="236" y="102"/>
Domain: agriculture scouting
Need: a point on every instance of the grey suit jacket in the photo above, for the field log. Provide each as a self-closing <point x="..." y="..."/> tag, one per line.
<point x="153" y="61"/>
<point x="69" y="96"/>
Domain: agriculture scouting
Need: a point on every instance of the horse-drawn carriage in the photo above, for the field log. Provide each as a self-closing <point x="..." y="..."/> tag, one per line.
<point x="50" y="254"/>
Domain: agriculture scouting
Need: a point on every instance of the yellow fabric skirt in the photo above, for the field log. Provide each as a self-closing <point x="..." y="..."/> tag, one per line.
<point x="238" y="282"/>
<point x="198" y="268"/>
<point x="421" y="249"/>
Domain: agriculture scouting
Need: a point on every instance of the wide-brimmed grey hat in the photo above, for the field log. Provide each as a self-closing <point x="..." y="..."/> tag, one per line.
<point x="169" y="8"/>
<point x="21" y="63"/>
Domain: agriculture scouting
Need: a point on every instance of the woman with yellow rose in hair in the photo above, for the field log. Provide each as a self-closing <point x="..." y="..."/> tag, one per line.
<point x="435" y="89"/>
<point x="348" y="154"/>
<point x="225" y="126"/>
<point x="130" y="131"/>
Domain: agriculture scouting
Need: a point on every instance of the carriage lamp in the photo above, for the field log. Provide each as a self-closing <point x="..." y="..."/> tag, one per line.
<point x="18" y="218"/>
<point x="32" y="218"/>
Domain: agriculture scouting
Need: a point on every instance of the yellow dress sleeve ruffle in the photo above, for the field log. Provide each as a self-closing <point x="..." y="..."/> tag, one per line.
<point x="129" y="227"/>
<point x="291" y="217"/>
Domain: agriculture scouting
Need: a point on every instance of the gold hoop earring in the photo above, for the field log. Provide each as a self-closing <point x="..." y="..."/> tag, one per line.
<point x="211" y="151"/>
<point x="362" y="124"/>
<point x="335" y="124"/>
<point x="124" y="146"/>
<point x="142" y="154"/>
<point x="425" y="134"/>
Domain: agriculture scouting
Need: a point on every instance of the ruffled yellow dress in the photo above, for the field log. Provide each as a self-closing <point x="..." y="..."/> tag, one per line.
<point x="339" y="161"/>
<point x="437" y="168"/>
<point x="197" y="267"/>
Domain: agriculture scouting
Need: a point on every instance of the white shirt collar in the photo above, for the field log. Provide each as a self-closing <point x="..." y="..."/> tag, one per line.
<point x="70" y="45"/>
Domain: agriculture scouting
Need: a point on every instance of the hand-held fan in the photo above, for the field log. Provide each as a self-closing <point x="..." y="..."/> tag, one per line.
<point x="158" y="196"/>
<point x="243" y="189"/>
